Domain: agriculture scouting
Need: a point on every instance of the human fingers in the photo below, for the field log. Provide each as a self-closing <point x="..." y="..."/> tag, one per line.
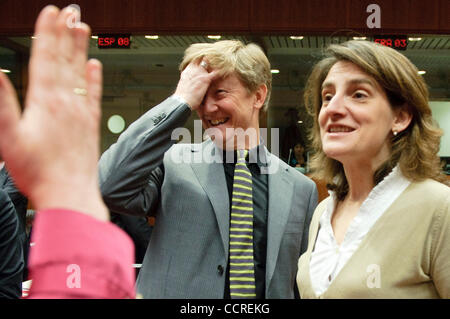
<point x="194" y="83"/>
<point x="200" y="65"/>
<point x="73" y="74"/>
<point x="203" y="62"/>
<point x="213" y="75"/>
<point x="43" y="54"/>
<point x="9" y="114"/>
<point x="81" y="35"/>
<point x="71" y="50"/>
<point x="94" y="78"/>
<point x="55" y="57"/>
<point x="64" y="29"/>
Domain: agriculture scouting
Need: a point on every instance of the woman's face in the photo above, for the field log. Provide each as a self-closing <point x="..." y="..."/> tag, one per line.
<point x="356" y="118"/>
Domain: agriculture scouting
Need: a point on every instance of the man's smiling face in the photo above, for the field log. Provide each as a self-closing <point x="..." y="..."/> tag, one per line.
<point x="228" y="105"/>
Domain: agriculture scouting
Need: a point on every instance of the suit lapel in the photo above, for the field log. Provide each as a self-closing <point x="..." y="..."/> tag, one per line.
<point x="278" y="212"/>
<point x="211" y="176"/>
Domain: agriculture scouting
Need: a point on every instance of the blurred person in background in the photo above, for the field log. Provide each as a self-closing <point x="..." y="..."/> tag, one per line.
<point x="297" y="157"/>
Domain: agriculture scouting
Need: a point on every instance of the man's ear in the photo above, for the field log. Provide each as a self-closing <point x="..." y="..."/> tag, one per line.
<point x="403" y="117"/>
<point x="260" y="96"/>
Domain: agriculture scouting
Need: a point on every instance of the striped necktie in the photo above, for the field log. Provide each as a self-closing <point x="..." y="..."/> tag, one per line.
<point x="242" y="270"/>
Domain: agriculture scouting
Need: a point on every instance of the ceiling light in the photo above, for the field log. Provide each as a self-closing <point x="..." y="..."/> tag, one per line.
<point x="94" y="36"/>
<point x="296" y="37"/>
<point x="275" y="71"/>
<point x="359" y="38"/>
<point x="116" y="124"/>
<point x="33" y="37"/>
<point x="152" y="37"/>
<point x="300" y="122"/>
<point x="214" y="37"/>
<point x="5" y="70"/>
<point x="421" y="72"/>
<point x="414" y="39"/>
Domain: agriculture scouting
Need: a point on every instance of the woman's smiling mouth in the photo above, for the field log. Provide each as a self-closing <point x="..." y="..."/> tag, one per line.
<point x="339" y="129"/>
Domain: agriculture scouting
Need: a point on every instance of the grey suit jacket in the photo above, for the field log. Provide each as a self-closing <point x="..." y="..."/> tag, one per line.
<point x="184" y="186"/>
<point x="19" y="200"/>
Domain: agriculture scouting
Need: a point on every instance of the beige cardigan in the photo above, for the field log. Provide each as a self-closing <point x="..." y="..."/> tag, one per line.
<point x="406" y="254"/>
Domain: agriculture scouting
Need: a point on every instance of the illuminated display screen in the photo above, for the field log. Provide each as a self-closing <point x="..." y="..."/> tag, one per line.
<point x="398" y="42"/>
<point x="114" y="41"/>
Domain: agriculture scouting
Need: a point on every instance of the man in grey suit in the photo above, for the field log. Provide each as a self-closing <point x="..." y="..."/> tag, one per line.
<point x="187" y="187"/>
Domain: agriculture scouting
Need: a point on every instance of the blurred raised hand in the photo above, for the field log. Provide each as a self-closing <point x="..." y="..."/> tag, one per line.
<point x="52" y="147"/>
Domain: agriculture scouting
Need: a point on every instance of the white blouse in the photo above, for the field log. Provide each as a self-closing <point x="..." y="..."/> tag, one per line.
<point x="328" y="258"/>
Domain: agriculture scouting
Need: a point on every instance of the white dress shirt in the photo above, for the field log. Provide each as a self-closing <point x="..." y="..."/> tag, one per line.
<point x="328" y="258"/>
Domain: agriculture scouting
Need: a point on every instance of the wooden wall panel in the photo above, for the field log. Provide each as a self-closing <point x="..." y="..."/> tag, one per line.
<point x="17" y="17"/>
<point x="290" y="15"/>
<point x="140" y="17"/>
<point x="389" y="14"/>
<point x="203" y="16"/>
<point x="444" y="18"/>
<point x="398" y="15"/>
<point x="135" y="16"/>
<point x="423" y="15"/>
<point x="109" y="14"/>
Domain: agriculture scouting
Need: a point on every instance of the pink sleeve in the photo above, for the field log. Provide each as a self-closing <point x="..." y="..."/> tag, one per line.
<point x="77" y="256"/>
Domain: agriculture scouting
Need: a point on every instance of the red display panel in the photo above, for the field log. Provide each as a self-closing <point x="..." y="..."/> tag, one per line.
<point x="398" y="42"/>
<point x="114" y="41"/>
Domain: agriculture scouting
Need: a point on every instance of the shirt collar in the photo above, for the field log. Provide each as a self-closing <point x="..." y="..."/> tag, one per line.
<point x="256" y="155"/>
<point x="379" y="198"/>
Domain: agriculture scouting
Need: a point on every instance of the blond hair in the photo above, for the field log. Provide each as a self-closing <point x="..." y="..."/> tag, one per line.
<point x="248" y="62"/>
<point x="414" y="149"/>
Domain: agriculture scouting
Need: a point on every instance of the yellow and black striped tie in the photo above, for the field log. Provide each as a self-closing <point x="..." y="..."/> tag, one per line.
<point x="242" y="269"/>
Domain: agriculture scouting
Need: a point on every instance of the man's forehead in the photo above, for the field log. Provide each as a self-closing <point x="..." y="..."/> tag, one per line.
<point x="228" y="79"/>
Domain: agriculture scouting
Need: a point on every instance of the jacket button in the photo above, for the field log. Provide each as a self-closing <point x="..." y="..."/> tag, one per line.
<point x="220" y="270"/>
<point x="159" y="118"/>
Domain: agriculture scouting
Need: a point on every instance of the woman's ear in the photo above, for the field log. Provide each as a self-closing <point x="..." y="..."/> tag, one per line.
<point x="260" y="96"/>
<point x="402" y="118"/>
